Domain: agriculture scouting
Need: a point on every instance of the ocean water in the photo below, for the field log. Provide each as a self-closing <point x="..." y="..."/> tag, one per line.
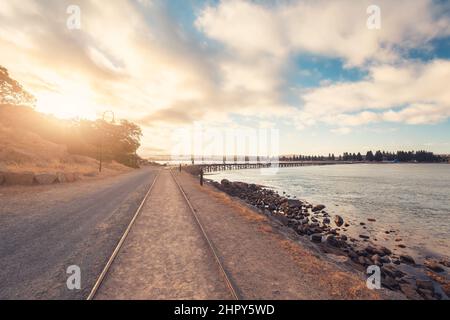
<point x="410" y="201"/>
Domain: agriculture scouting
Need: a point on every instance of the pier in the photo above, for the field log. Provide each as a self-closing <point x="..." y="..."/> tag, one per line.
<point x="216" y="167"/>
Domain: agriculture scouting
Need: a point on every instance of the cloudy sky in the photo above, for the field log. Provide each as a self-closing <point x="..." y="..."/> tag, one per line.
<point x="311" y="69"/>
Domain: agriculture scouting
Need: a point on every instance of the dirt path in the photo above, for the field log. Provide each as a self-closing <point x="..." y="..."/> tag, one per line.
<point x="164" y="255"/>
<point x="263" y="262"/>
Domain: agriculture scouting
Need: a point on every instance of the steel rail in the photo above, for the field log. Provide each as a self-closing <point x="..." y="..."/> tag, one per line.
<point x="105" y="270"/>
<point x="231" y="286"/>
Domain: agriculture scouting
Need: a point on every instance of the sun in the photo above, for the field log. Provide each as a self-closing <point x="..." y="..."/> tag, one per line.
<point x="67" y="104"/>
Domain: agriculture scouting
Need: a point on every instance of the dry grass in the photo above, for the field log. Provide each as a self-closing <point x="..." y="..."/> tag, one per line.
<point x="339" y="284"/>
<point x="23" y="150"/>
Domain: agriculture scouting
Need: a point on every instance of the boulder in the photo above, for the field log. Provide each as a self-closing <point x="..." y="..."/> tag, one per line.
<point x="445" y="263"/>
<point x="304" y="221"/>
<point x="410" y="291"/>
<point x="19" y="178"/>
<point x="381" y="251"/>
<point x="45" y="178"/>
<point x="338" y="220"/>
<point x="282" y="219"/>
<point x="334" y="242"/>
<point x="364" y="261"/>
<point x="433" y="265"/>
<point x="316" y="237"/>
<point x="407" y="259"/>
<point x="319" y="207"/>
<point x="225" y="183"/>
<point x="425" y="284"/>
<point x="390" y="283"/>
<point x="294" y="203"/>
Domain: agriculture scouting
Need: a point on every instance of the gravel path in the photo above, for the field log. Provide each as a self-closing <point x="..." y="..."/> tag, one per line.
<point x="164" y="255"/>
<point x="43" y="230"/>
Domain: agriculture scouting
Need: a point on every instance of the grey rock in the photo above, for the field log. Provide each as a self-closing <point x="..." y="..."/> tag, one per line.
<point x="294" y="203"/>
<point x="316" y="237"/>
<point x="434" y="266"/>
<point x="445" y="263"/>
<point x="304" y="221"/>
<point x="390" y="283"/>
<point x="284" y="220"/>
<point x="338" y="220"/>
<point x="407" y="259"/>
<point x="410" y="291"/>
<point x="334" y="242"/>
<point x="319" y="207"/>
<point x="425" y="284"/>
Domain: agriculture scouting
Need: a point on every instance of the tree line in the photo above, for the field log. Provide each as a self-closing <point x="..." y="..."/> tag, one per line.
<point x="115" y="141"/>
<point x="378" y="156"/>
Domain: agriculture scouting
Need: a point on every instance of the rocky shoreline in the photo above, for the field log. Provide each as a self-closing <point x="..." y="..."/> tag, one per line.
<point x="330" y="234"/>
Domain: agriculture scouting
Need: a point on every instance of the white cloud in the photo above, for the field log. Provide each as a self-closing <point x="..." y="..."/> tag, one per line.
<point x="412" y="93"/>
<point x="329" y="28"/>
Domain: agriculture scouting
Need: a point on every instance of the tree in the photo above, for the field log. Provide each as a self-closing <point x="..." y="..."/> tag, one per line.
<point x="369" y="156"/>
<point x="378" y="156"/>
<point x="359" y="157"/>
<point x="11" y="92"/>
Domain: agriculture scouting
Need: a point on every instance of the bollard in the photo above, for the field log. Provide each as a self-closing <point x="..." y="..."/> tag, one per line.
<point x="201" y="177"/>
<point x="180" y="167"/>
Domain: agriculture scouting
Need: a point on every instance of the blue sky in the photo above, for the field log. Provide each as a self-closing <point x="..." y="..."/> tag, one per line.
<point x="312" y="70"/>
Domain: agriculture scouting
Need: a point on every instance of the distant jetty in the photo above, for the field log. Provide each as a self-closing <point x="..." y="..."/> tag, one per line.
<point x="215" y="167"/>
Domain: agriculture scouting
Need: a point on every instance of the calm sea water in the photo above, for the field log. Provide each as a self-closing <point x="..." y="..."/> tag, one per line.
<point x="413" y="200"/>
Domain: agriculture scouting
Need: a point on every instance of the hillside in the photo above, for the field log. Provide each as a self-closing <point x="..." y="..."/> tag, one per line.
<point x="25" y="146"/>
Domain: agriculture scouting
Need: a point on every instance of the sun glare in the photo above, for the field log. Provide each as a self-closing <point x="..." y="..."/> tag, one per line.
<point x="67" y="105"/>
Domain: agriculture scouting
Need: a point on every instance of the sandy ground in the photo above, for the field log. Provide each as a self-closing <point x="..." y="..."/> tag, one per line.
<point x="164" y="255"/>
<point x="45" y="229"/>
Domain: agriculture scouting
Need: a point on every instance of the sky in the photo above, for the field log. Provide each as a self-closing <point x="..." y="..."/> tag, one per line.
<point x="311" y="70"/>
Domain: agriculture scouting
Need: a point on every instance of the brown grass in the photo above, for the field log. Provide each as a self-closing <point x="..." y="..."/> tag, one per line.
<point x="22" y="150"/>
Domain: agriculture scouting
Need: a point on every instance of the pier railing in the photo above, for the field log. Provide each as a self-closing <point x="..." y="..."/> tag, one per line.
<point x="216" y="167"/>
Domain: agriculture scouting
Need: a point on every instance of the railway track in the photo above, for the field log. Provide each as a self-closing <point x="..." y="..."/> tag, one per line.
<point x="105" y="270"/>
<point x="228" y="281"/>
<point x="234" y="292"/>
